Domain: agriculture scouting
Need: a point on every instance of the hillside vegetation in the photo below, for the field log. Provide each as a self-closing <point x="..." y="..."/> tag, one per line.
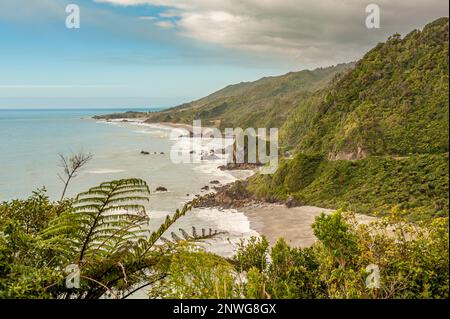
<point x="395" y="101"/>
<point x="389" y="115"/>
<point x="368" y="136"/>
<point x="263" y="103"/>
<point x="42" y="241"/>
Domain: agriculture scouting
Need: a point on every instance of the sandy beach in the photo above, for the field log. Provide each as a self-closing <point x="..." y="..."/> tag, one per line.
<point x="293" y="224"/>
<point x="271" y="220"/>
<point x="187" y="127"/>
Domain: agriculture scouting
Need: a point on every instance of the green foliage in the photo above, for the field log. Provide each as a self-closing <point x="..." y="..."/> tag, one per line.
<point x="252" y="254"/>
<point x="103" y="232"/>
<point x="412" y="260"/>
<point x="115" y="257"/>
<point x="293" y="273"/>
<point x="332" y="232"/>
<point x="395" y="101"/>
<point x="381" y="131"/>
<point x="32" y="214"/>
<point x="196" y="274"/>
<point x="373" y="185"/>
<point x="26" y="267"/>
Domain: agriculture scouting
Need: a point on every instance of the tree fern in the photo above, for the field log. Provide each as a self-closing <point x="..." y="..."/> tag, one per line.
<point x="106" y="234"/>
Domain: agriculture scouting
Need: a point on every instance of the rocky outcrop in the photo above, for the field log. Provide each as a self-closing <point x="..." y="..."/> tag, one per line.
<point x="359" y="153"/>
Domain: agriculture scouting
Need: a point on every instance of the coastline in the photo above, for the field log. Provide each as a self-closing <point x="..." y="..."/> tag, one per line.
<point x="234" y="223"/>
<point x="272" y="220"/>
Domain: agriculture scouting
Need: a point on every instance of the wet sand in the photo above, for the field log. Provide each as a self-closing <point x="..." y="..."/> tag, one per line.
<point x="293" y="224"/>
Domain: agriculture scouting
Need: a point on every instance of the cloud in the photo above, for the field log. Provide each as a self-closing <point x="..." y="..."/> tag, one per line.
<point x="165" y="24"/>
<point x="312" y="32"/>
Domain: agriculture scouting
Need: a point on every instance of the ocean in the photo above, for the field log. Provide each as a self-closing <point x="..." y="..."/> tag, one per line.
<point x="30" y="141"/>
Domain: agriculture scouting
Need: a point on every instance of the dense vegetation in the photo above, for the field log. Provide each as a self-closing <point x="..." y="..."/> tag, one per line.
<point x="376" y="184"/>
<point x="377" y="137"/>
<point x="103" y="233"/>
<point x="412" y="262"/>
<point x="395" y="101"/>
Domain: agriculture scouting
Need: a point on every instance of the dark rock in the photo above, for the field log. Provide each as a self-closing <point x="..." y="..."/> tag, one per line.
<point x="239" y="166"/>
<point x="214" y="182"/>
<point x="161" y="189"/>
<point x="292" y="202"/>
<point x="205" y="188"/>
<point x="145" y="153"/>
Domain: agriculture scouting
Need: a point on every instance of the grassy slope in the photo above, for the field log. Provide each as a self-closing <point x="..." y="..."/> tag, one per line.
<point x="263" y="103"/>
<point x="394" y="107"/>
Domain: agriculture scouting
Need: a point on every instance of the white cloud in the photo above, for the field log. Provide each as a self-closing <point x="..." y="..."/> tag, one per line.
<point x="165" y="24"/>
<point x="313" y="32"/>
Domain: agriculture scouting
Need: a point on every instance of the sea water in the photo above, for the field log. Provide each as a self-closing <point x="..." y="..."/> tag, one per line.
<point x="31" y="141"/>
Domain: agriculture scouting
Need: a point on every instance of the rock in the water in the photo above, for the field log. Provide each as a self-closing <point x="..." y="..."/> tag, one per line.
<point x="215" y="182"/>
<point x="205" y="188"/>
<point x="161" y="189"/>
<point x="145" y="153"/>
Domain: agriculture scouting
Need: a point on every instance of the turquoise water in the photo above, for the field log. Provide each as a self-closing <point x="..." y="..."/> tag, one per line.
<point x="30" y="141"/>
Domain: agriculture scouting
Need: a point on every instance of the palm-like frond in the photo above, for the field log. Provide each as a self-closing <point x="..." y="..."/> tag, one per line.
<point x="103" y="219"/>
<point x="107" y="235"/>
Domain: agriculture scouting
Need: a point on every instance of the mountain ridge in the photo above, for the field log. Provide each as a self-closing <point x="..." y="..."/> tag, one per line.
<point x="262" y="103"/>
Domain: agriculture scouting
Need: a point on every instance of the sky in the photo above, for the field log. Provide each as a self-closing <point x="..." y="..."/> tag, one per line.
<point x="161" y="53"/>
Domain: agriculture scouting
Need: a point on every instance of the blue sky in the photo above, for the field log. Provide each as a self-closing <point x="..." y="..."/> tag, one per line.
<point x="143" y="53"/>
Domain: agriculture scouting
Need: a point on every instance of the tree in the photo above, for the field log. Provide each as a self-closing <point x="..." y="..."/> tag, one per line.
<point x="71" y="165"/>
<point x="103" y="232"/>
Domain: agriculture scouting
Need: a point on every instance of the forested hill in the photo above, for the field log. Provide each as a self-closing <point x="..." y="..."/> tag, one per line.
<point x="263" y="103"/>
<point x="369" y="136"/>
<point x="376" y="138"/>
<point x="395" y="101"/>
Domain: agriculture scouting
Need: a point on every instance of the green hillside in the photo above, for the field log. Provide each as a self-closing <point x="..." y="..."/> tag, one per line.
<point x="378" y="137"/>
<point x="263" y="103"/>
<point x="369" y="136"/>
<point x="395" y="101"/>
